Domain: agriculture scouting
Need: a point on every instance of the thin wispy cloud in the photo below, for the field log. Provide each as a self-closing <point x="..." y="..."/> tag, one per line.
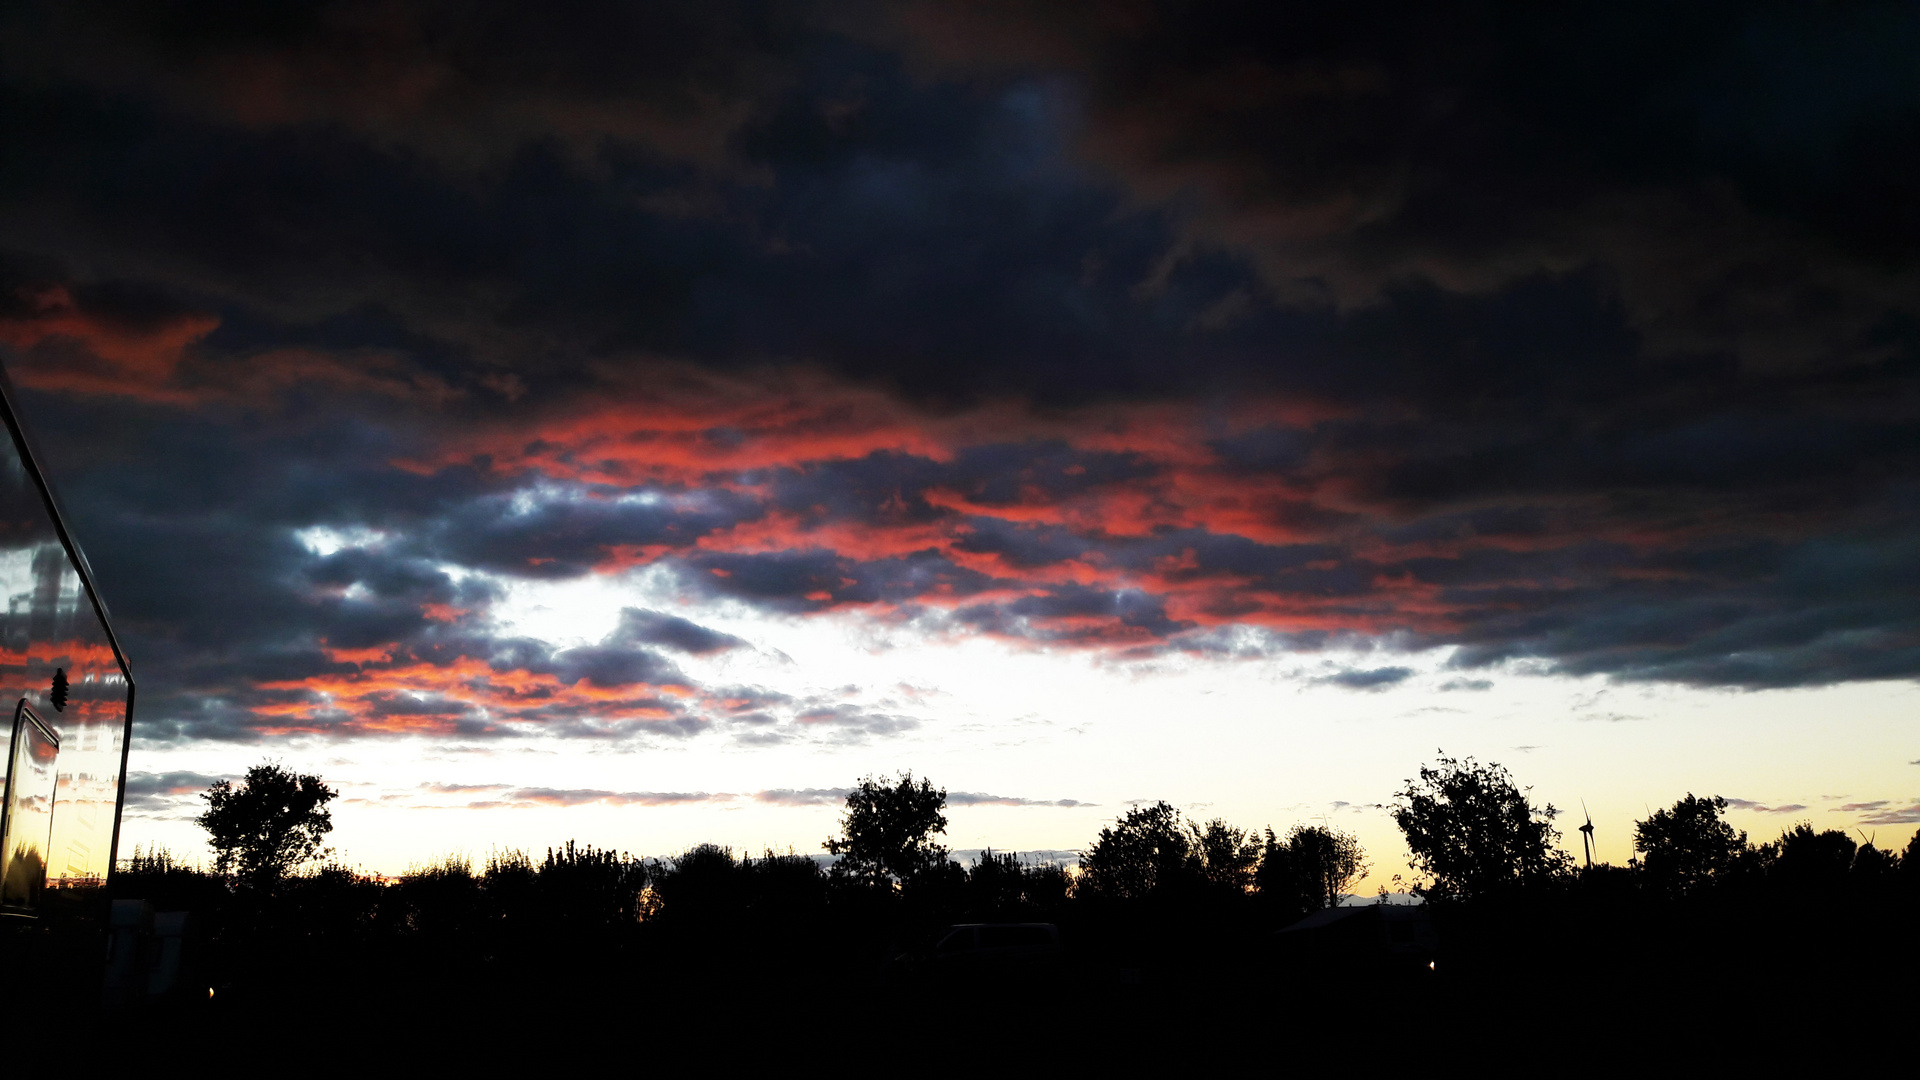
<point x="1761" y="808"/>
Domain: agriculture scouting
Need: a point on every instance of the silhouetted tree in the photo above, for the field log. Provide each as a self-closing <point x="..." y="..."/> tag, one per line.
<point x="443" y="898"/>
<point x="510" y="878"/>
<point x="702" y="882"/>
<point x="1310" y="869"/>
<point x="270" y="824"/>
<point x="1472" y="832"/>
<point x="789" y="883"/>
<point x="886" y="834"/>
<point x="1147" y="849"/>
<point x="1000" y="885"/>
<point x="1046" y="886"/>
<point x="995" y="883"/>
<point x="1812" y="861"/>
<point x="1686" y="847"/>
<point x="1226" y="855"/>
<point x="583" y="887"/>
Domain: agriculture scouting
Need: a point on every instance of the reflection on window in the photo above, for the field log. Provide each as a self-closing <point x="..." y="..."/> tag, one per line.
<point x="27" y="825"/>
<point x="49" y="624"/>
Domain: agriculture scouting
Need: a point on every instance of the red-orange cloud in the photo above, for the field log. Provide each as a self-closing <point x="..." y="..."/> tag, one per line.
<point x="412" y="697"/>
<point x="1031" y="530"/>
<point x="101" y="355"/>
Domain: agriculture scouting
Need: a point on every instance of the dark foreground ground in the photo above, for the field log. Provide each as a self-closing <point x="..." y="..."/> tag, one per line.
<point x="1566" y="983"/>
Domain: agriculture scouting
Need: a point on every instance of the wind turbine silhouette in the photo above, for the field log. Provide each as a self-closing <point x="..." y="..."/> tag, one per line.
<point x="1586" y="833"/>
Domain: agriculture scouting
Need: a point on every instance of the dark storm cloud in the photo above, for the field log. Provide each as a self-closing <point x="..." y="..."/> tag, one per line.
<point x="169" y="794"/>
<point x="638" y="626"/>
<point x="804" y="581"/>
<point x="1367" y="678"/>
<point x="566" y="534"/>
<point x="461" y="82"/>
<point x="885" y="223"/>
<point x="302" y="223"/>
<point x="1586" y="339"/>
<point x="360" y="630"/>
<point x="1352" y="147"/>
<point x="1073" y="613"/>
<point x="1794" y="614"/>
<point x="245" y="629"/>
<point x="614" y="665"/>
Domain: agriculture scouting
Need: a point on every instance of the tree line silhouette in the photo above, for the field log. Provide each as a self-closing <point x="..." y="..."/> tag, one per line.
<point x="1157" y="900"/>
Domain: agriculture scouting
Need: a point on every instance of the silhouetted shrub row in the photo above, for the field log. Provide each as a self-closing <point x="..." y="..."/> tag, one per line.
<point x="1154" y="893"/>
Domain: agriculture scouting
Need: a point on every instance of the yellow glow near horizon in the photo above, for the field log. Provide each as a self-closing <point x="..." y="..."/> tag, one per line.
<point x="1256" y="742"/>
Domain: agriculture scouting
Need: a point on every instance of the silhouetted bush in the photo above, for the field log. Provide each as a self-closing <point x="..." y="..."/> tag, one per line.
<point x="158" y="877"/>
<point x="702" y="883"/>
<point x="787" y="885"/>
<point x="584" y="888"/>
<point x="1814" y="863"/>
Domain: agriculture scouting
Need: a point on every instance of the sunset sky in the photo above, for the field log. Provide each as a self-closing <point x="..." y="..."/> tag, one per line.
<point x="634" y="423"/>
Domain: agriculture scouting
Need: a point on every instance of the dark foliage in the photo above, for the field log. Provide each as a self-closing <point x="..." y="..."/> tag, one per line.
<point x="1687" y="847"/>
<point x="1474" y="833"/>
<point x="1148" y="850"/>
<point x="886" y="834"/>
<point x="155" y="875"/>
<point x="1310" y="869"/>
<point x="1161" y="907"/>
<point x="1814" y="863"/>
<point x="587" y="888"/>
<point x="1000" y="887"/>
<point x="1227" y="856"/>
